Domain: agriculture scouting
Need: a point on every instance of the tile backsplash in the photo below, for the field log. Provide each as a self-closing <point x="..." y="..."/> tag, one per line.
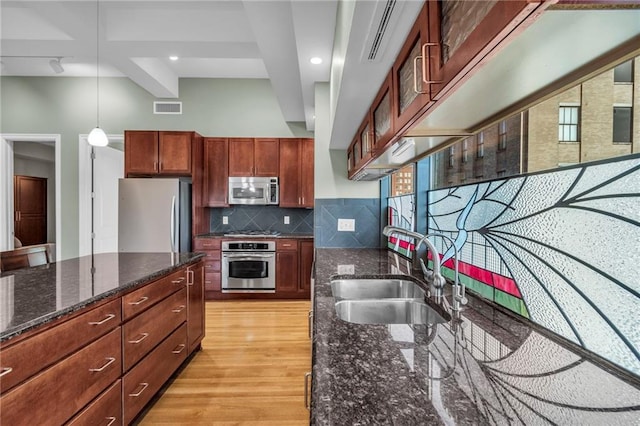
<point x="264" y="218"/>
<point x="364" y="211"/>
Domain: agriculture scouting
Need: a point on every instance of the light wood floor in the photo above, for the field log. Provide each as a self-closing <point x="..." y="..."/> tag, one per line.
<point x="250" y="370"/>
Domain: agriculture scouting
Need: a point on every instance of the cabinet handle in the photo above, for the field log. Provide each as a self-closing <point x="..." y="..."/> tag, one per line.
<point x="310" y="322"/>
<point x="108" y="318"/>
<point x="415" y="76"/>
<point x="190" y="277"/>
<point x="176" y="350"/>
<point x="137" y="394"/>
<point x="110" y="361"/>
<point x="5" y="371"/>
<point x="307" y="404"/>
<point x="135" y="342"/>
<point x="178" y="281"/>
<point x="111" y="420"/>
<point x="142" y="300"/>
<point x="426" y="71"/>
<point x="155" y="166"/>
<point x="178" y="309"/>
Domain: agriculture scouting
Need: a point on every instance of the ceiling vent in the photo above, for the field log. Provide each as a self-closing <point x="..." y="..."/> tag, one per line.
<point x="167" y="107"/>
<point x="383" y="23"/>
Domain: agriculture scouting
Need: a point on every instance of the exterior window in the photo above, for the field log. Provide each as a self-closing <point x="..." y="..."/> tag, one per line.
<point x="465" y="153"/>
<point x="402" y="181"/>
<point x="452" y="156"/>
<point x="502" y="136"/>
<point x="622" y="124"/>
<point x="480" y="145"/>
<point x="623" y="73"/>
<point x="568" y="124"/>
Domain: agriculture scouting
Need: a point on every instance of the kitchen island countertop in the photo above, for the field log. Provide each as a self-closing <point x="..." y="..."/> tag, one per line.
<point x="34" y="296"/>
<point x="484" y="366"/>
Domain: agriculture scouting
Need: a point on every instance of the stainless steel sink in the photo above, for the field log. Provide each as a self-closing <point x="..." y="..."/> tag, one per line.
<point x="387" y="311"/>
<point x="373" y="288"/>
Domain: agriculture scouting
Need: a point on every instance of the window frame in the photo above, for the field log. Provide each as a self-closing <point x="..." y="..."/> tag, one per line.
<point x="630" y="124"/>
<point x="563" y="126"/>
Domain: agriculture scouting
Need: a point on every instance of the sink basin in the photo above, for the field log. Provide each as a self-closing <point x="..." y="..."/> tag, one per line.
<point x="372" y="288"/>
<point x="387" y="311"/>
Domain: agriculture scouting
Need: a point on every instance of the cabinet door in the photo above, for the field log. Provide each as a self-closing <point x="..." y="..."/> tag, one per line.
<point x="216" y="172"/>
<point x="175" y="153"/>
<point x="140" y="152"/>
<point x="411" y="93"/>
<point x="287" y="269"/>
<point x="382" y="115"/>
<point x="240" y="157"/>
<point x="306" y="263"/>
<point x="307" y="173"/>
<point x="266" y="157"/>
<point x="195" y="306"/>
<point x="289" y="172"/>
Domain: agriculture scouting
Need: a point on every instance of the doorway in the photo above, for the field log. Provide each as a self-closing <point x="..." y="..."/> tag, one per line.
<point x="7" y="210"/>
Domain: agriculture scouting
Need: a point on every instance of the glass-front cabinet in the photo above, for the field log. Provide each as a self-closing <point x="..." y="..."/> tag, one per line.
<point x="382" y="107"/>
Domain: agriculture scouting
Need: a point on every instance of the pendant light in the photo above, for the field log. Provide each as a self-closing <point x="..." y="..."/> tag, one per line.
<point x="98" y="137"/>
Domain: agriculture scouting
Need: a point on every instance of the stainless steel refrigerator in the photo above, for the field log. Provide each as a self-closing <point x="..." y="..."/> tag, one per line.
<point x="154" y="215"/>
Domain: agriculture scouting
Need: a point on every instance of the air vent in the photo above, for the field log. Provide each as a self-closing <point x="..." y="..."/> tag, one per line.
<point x="167" y="107"/>
<point x="382" y="29"/>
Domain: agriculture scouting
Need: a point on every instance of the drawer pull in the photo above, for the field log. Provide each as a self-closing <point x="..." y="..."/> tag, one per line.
<point x="135" y="342"/>
<point x="110" y="361"/>
<point x="176" y="350"/>
<point x="108" y="318"/>
<point x="142" y="300"/>
<point x="5" y="371"/>
<point x="137" y="394"/>
<point x="178" y="309"/>
<point x="190" y="277"/>
<point x="178" y="281"/>
<point x="307" y="404"/>
<point x="111" y="420"/>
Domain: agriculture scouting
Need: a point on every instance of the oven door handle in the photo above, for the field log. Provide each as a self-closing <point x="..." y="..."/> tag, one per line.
<point x="248" y="256"/>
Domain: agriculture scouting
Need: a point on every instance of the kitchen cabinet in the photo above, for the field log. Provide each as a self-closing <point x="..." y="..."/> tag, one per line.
<point x="216" y="172"/>
<point x="382" y="124"/>
<point x="212" y="264"/>
<point x="148" y="153"/>
<point x="306" y="251"/>
<point x="296" y="173"/>
<point x="361" y="150"/>
<point x="253" y="157"/>
<point x="195" y="306"/>
<point x="287" y="271"/>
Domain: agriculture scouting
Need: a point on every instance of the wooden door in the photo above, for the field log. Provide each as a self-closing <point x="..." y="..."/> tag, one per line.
<point x="175" y="153"/>
<point x="266" y="157"/>
<point x="289" y="172"/>
<point x="216" y="172"/>
<point x="306" y="166"/>
<point x="140" y="152"/>
<point x="240" y="157"/>
<point x="30" y="203"/>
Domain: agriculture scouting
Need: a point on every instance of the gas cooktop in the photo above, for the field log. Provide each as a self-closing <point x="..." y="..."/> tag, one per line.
<point x="251" y="233"/>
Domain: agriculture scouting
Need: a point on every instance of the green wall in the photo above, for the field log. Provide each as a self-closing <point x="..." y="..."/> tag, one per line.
<point x="67" y="106"/>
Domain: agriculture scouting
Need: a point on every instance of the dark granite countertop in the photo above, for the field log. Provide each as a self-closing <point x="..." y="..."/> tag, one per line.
<point x="282" y="235"/>
<point x="484" y="366"/>
<point x="34" y="296"/>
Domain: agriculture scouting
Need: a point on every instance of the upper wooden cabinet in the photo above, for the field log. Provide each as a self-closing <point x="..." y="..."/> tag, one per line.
<point x="382" y="117"/>
<point x="157" y="153"/>
<point x="253" y="157"/>
<point x="216" y="172"/>
<point x="296" y="173"/>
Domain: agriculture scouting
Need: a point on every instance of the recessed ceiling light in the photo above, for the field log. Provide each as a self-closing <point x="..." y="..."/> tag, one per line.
<point x="173" y="57"/>
<point x="315" y="60"/>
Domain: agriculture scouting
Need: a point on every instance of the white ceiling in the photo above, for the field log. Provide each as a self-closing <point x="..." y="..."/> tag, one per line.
<point x="213" y="39"/>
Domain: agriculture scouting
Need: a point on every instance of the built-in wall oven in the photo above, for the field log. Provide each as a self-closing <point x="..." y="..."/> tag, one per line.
<point x="248" y="266"/>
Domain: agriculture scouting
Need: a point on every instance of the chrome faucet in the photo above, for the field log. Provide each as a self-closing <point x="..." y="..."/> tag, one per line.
<point x="434" y="277"/>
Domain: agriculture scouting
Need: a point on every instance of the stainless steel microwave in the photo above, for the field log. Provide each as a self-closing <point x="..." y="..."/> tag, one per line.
<point x="253" y="190"/>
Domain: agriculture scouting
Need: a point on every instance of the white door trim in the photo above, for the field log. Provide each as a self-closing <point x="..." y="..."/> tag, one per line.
<point x="6" y="185"/>
<point x="84" y="191"/>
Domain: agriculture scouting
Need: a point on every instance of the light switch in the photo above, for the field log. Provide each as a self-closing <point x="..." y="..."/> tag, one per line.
<point x="346" y="225"/>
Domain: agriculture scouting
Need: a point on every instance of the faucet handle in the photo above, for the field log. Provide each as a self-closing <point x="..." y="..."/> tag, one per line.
<point x="434" y="278"/>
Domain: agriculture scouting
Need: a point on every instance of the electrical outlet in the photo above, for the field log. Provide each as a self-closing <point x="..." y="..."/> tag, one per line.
<point x="346" y="225"/>
<point x="225" y="220"/>
<point x="346" y="269"/>
<point x="286" y="220"/>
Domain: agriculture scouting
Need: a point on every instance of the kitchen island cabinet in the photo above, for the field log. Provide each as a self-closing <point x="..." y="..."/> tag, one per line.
<point x="80" y="332"/>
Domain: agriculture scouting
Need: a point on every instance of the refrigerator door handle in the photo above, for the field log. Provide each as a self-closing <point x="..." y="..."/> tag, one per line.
<point x="173" y="224"/>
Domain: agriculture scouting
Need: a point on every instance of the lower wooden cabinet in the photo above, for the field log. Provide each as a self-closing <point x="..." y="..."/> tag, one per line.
<point x="195" y="299"/>
<point x="106" y="409"/>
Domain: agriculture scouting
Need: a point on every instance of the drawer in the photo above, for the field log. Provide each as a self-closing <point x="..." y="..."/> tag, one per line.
<point x="286" y="245"/>
<point x="212" y="281"/>
<point x="212" y="265"/>
<point x="59" y="392"/>
<point x="144" y="332"/>
<point x="207" y="244"/>
<point x="50" y="346"/>
<point x="105" y="410"/>
<point x="147" y="296"/>
<point x="145" y="379"/>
